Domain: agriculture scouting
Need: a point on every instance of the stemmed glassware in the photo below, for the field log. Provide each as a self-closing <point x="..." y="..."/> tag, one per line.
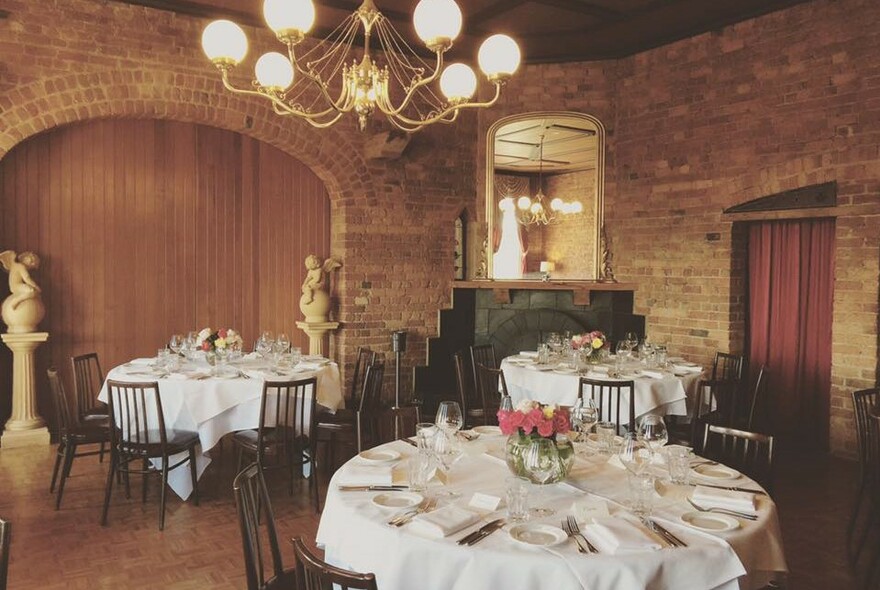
<point x="584" y="416"/>
<point x="447" y="448"/>
<point x="636" y="456"/>
<point x="541" y="461"/>
<point x="175" y="343"/>
<point x="449" y="418"/>
<point x="263" y="346"/>
<point x="652" y="429"/>
<point x="282" y="343"/>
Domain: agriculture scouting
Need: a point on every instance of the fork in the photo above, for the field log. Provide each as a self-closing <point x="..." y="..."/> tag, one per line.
<point x="576" y="531"/>
<point x="408" y="516"/>
<point x="723" y="511"/>
<point x="567" y="529"/>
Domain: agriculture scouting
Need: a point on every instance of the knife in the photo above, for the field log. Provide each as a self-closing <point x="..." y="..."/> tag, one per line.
<point x="410" y="442"/>
<point x="730" y="488"/>
<point x="467" y="539"/>
<point x="486" y="533"/>
<point x="372" y="488"/>
<point x="668" y="536"/>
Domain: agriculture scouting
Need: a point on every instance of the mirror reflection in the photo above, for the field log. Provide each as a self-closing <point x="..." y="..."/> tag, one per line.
<point x="545" y="190"/>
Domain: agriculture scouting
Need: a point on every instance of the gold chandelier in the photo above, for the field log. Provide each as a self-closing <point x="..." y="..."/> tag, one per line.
<point x="535" y="210"/>
<point x="327" y="81"/>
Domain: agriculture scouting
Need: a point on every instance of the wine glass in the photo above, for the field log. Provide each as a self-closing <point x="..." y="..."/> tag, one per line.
<point x="541" y="462"/>
<point x="635" y="453"/>
<point x="633" y="340"/>
<point x="506" y="404"/>
<point x="449" y="418"/>
<point x="652" y="428"/>
<point x="447" y="451"/>
<point x="589" y="417"/>
<point x="282" y="343"/>
<point x="175" y="343"/>
<point x="264" y="344"/>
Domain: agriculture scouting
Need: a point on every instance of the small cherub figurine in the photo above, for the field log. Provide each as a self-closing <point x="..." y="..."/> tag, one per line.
<point x="21" y="285"/>
<point x="316" y="278"/>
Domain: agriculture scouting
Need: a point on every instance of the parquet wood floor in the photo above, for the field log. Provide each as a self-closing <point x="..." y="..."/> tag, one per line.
<point x="200" y="547"/>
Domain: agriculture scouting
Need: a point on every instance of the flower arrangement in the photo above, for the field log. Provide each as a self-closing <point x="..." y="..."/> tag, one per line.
<point x="533" y="417"/>
<point x="591" y="341"/>
<point x="210" y="340"/>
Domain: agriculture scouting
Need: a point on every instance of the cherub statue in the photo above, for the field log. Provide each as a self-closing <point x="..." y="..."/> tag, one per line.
<point x="315" y="301"/>
<point x="23" y="309"/>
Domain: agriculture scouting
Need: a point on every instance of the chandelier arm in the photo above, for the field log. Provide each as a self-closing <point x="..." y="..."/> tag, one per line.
<point x="391" y="110"/>
<point x="454" y="109"/>
<point x="338" y="105"/>
<point x="280" y="107"/>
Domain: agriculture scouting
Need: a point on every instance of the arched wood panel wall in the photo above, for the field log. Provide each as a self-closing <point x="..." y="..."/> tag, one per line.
<point x="147" y="227"/>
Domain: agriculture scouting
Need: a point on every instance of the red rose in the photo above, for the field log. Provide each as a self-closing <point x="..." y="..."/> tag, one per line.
<point x="206" y="346"/>
<point x="561" y="422"/>
<point x="545" y="427"/>
<point x="222" y="333"/>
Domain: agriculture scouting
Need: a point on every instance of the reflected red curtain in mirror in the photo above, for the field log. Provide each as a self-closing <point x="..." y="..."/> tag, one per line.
<point x="791" y="275"/>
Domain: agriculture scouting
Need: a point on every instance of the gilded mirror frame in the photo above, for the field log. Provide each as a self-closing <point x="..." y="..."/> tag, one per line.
<point x="491" y="209"/>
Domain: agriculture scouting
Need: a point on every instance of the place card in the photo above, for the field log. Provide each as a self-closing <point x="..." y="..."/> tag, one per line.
<point x="484" y="502"/>
<point x="589" y="508"/>
<point x="437" y="475"/>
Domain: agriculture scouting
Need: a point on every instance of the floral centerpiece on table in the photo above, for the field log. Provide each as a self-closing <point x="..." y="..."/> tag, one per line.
<point x="532" y="420"/>
<point x="591" y="341"/>
<point x="224" y="339"/>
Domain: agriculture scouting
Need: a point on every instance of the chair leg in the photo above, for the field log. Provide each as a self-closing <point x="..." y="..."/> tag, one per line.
<point x="194" y="474"/>
<point x="58" y="456"/>
<point x="163" y="493"/>
<point x="313" y="481"/>
<point x="69" y="453"/>
<point x="101" y="453"/>
<point x="853" y="518"/>
<point x="122" y="475"/>
<point x="110" y="473"/>
<point x="240" y="459"/>
<point x="145" y="465"/>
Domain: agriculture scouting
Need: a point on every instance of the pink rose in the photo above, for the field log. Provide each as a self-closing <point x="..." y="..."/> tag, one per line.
<point x="545" y="427"/>
<point x="516" y="419"/>
<point x="504" y="422"/>
<point x="561" y="422"/>
<point x="222" y="333"/>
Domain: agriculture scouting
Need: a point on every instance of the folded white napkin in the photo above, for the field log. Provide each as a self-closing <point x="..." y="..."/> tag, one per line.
<point x="496" y="455"/>
<point x="185" y="376"/>
<point x="142" y="362"/>
<point x="618" y="536"/>
<point x="253" y="356"/>
<point x="445" y="521"/>
<point x="686" y="368"/>
<point x="652" y="373"/>
<point x="309" y="366"/>
<point x="600" y="368"/>
<point x="729" y="499"/>
<point x="531" y="354"/>
<point x="366" y="475"/>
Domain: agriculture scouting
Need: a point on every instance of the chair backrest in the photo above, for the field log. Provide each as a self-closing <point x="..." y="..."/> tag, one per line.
<point x="5" y="540"/>
<point x="491" y="385"/>
<point x="288" y="411"/>
<point x="483" y="354"/>
<point x="749" y="452"/>
<point x="471" y="404"/>
<point x="87" y="381"/>
<point x="404" y="418"/>
<point x="863" y="401"/>
<point x="251" y="497"/>
<point x="727" y="367"/>
<point x="608" y="398"/>
<point x="312" y="573"/>
<point x="758" y="396"/>
<point x="62" y="409"/>
<point x="712" y="405"/>
<point x="136" y="418"/>
<point x="371" y="397"/>
<point x="365" y="358"/>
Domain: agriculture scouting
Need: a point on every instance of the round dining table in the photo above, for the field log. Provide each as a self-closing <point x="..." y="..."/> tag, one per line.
<point x="195" y="400"/>
<point x="355" y="533"/>
<point x="664" y="392"/>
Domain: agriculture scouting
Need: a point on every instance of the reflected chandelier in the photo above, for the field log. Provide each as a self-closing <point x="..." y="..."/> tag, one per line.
<point x="327" y="81"/>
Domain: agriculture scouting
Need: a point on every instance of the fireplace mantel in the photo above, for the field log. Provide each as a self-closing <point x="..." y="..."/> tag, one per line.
<point x="581" y="290"/>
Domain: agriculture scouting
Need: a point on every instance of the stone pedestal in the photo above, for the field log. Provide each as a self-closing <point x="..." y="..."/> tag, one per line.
<point x="25" y="427"/>
<point x="316" y="332"/>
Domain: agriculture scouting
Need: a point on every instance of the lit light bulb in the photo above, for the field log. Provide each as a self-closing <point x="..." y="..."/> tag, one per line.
<point x="557" y="204"/>
<point x="524" y="203"/>
<point x="285" y="16"/>
<point x="577" y="207"/>
<point x="458" y="82"/>
<point x="274" y="71"/>
<point x="499" y="57"/>
<point x="506" y="204"/>
<point x="224" y="42"/>
<point x="437" y="22"/>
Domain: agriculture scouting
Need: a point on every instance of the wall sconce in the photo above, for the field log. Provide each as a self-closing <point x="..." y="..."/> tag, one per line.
<point x="546" y="268"/>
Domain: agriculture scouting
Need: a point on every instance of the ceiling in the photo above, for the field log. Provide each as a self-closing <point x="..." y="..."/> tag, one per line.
<point x="568" y="144"/>
<point x="547" y="30"/>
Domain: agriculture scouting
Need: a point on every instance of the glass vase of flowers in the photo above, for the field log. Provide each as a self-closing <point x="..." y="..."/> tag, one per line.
<point x="529" y="421"/>
<point x="217" y="344"/>
<point x="589" y="347"/>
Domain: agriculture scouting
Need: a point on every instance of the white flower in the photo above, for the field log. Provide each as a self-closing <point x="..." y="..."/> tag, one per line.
<point x="526" y="405"/>
<point x="203" y="335"/>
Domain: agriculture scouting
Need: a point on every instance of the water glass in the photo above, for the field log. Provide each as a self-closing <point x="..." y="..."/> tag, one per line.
<point x="606" y="432"/>
<point x="425" y="432"/>
<point x="678" y="461"/>
<point x="162" y="356"/>
<point x="543" y="354"/>
<point x="419" y="468"/>
<point x="517" y="496"/>
<point x="641" y="494"/>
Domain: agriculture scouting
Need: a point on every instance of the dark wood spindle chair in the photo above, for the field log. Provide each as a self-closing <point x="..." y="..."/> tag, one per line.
<point x="749" y="452"/>
<point x="727" y="367"/>
<point x="87" y="381"/>
<point x="71" y="435"/>
<point x="399" y="422"/>
<point x="252" y="498"/>
<point x="491" y="385"/>
<point x="758" y="400"/>
<point x="608" y="398"/>
<point x="5" y="541"/>
<point x="285" y="436"/>
<point x="471" y="404"/>
<point x="711" y="399"/>
<point x="138" y="435"/>
<point x="312" y="573"/>
<point x="866" y="434"/>
<point x="872" y="573"/>
<point x="482" y="354"/>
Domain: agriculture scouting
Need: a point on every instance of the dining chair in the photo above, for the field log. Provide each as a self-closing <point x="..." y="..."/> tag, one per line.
<point x="727" y="367"/>
<point x="138" y="435"/>
<point x="749" y="452"/>
<point x="866" y="437"/>
<point x="87" y="381"/>
<point x="252" y="500"/>
<point x="396" y="423"/>
<point x="285" y="437"/>
<point x="608" y="398"/>
<point x="471" y="404"/>
<point x="365" y="358"/>
<point x="872" y="573"/>
<point x="5" y="541"/>
<point x="71" y="435"/>
<point x="491" y="386"/>
<point x="482" y="354"/>
<point x="312" y="573"/>
<point x="758" y="397"/>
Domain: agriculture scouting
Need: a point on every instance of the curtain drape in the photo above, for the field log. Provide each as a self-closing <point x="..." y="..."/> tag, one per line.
<point x="791" y="274"/>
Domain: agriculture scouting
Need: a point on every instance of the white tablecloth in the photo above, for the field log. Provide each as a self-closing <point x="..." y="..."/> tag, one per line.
<point x="667" y="396"/>
<point x="355" y="535"/>
<point x="214" y="407"/>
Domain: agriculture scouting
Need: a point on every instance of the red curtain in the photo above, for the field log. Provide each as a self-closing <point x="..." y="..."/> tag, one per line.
<point x="791" y="275"/>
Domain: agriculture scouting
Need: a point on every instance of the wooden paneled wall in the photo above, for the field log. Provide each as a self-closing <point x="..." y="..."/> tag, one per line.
<point x="146" y="228"/>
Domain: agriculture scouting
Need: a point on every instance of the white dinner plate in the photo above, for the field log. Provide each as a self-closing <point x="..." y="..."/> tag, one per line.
<point x="565" y="370"/>
<point x="710" y="521"/>
<point x="714" y="472"/>
<point x="397" y="500"/>
<point x="379" y="455"/>
<point x="593" y="439"/>
<point x="539" y="367"/>
<point x="487" y="430"/>
<point x="536" y="534"/>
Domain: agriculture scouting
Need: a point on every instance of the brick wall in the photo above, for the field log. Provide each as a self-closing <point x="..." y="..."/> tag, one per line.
<point x="567" y="242"/>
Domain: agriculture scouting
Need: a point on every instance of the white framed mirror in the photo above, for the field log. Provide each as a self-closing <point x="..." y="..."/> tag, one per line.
<point x="545" y="192"/>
